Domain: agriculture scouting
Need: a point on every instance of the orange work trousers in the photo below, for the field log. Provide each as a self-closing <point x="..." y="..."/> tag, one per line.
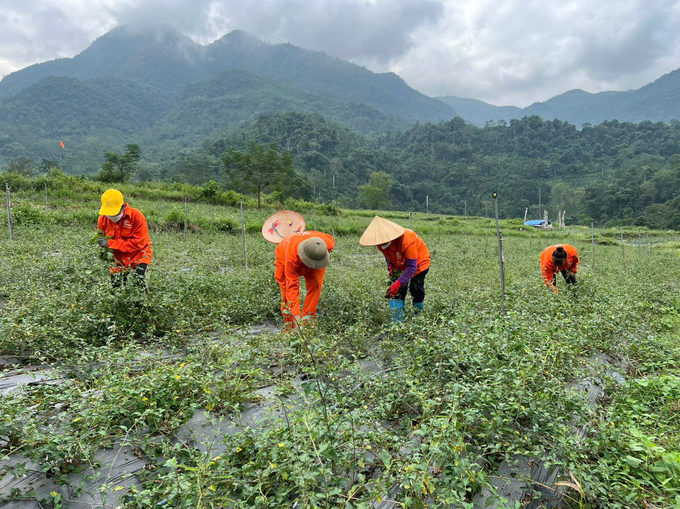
<point x="290" y="300"/>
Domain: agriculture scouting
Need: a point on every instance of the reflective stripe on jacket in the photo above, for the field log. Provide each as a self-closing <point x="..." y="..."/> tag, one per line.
<point x="130" y="239"/>
<point x="408" y="246"/>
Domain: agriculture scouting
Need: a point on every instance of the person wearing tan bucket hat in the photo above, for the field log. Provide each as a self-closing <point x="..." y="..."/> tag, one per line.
<point x="126" y="232"/>
<point x="305" y="254"/>
<point x="404" y="251"/>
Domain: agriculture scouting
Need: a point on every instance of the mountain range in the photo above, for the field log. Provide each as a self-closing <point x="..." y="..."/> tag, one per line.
<point x="159" y="88"/>
<point x="657" y="101"/>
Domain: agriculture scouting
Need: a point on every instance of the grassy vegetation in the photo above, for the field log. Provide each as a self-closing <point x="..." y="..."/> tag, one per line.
<point x="464" y="388"/>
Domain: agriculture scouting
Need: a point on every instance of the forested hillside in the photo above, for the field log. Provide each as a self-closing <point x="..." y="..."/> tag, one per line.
<point x="162" y="58"/>
<point x="614" y="171"/>
<point x="98" y="115"/>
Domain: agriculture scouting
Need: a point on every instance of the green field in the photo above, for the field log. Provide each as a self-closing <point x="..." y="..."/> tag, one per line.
<point x="456" y="391"/>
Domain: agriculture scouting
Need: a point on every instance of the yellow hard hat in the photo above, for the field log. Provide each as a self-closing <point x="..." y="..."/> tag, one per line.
<point x="112" y="202"/>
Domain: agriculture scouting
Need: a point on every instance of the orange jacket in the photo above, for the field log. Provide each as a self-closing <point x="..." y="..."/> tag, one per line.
<point x="408" y="246"/>
<point x="549" y="269"/>
<point x="289" y="268"/>
<point x="129" y="239"/>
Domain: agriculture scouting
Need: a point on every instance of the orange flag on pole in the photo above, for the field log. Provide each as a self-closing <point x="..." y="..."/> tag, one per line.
<point x="61" y="144"/>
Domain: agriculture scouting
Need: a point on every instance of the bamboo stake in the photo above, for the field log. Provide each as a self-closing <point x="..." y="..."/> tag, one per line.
<point x="9" y="211"/>
<point x="186" y="213"/>
<point x="410" y="220"/>
<point x="640" y="244"/>
<point x="623" y="252"/>
<point x="592" y="229"/>
<point x="500" y="253"/>
<point x="243" y="231"/>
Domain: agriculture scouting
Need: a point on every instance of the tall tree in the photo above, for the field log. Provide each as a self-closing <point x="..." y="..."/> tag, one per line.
<point x="376" y="195"/>
<point x="120" y="168"/>
<point x="259" y="168"/>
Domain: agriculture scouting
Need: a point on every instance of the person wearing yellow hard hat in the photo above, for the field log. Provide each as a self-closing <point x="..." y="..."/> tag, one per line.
<point x="127" y="234"/>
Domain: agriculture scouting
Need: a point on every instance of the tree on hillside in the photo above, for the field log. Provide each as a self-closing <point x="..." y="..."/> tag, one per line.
<point x="259" y="168"/>
<point x="376" y="195"/>
<point x="120" y="168"/>
<point x="22" y="166"/>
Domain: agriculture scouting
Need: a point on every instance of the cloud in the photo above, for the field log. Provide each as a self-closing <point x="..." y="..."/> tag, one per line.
<point x="518" y="52"/>
<point x="352" y="29"/>
<point x="510" y="52"/>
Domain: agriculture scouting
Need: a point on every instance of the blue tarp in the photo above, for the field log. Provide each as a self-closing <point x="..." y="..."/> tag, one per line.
<point x="536" y="222"/>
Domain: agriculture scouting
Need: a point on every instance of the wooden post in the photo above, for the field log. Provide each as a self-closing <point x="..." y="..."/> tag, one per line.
<point x="500" y="253"/>
<point x="539" y="203"/>
<point x="186" y="213"/>
<point x="243" y="231"/>
<point x="410" y="220"/>
<point x="640" y="244"/>
<point x="427" y="203"/>
<point x="465" y="213"/>
<point x="623" y="252"/>
<point x="45" y="194"/>
<point x="592" y="229"/>
<point x="9" y="211"/>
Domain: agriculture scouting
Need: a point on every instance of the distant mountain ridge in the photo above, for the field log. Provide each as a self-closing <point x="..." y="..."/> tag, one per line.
<point x="163" y="58"/>
<point x="657" y="101"/>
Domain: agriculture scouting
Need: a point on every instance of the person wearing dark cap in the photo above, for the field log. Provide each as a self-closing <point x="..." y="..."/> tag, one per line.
<point x="304" y="254"/>
<point x="561" y="258"/>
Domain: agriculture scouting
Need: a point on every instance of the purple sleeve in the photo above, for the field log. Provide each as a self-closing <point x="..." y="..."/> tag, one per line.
<point x="389" y="264"/>
<point x="411" y="266"/>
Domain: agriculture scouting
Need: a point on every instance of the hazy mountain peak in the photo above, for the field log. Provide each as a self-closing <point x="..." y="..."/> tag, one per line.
<point x="238" y="38"/>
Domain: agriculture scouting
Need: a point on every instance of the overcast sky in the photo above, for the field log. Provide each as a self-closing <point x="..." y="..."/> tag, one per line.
<point x="506" y="52"/>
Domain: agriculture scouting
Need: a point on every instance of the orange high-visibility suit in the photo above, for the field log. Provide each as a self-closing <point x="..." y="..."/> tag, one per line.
<point x="129" y="239"/>
<point x="289" y="268"/>
<point x="408" y="246"/>
<point x="548" y="267"/>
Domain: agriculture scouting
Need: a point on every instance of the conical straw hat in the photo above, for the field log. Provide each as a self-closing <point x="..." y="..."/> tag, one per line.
<point x="381" y="231"/>
<point x="282" y="224"/>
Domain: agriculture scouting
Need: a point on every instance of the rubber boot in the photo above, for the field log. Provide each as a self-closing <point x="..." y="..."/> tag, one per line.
<point x="417" y="307"/>
<point x="397" y="310"/>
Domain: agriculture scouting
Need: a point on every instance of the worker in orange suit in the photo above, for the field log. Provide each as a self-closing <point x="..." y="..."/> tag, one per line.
<point x="127" y="234"/>
<point x="408" y="262"/>
<point x="561" y="258"/>
<point x="304" y="254"/>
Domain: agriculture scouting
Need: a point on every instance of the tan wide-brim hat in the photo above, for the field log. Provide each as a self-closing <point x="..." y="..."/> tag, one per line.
<point x="282" y="224"/>
<point x="381" y="231"/>
<point x="314" y="253"/>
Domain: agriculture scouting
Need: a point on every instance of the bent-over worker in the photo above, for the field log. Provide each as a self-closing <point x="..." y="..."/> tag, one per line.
<point x="406" y="252"/>
<point x="304" y="254"/>
<point x="127" y="234"/>
<point x="561" y="258"/>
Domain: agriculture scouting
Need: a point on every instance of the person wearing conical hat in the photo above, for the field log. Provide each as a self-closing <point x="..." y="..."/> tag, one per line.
<point x="126" y="232"/>
<point x="305" y="254"/>
<point x="561" y="258"/>
<point x="406" y="252"/>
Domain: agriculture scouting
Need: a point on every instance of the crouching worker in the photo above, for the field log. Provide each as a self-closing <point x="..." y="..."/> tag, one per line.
<point x="304" y="254"/>
<point x="404" y="252"/>
<point x="561" y="258"/>
<point x="127" y="234"/>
